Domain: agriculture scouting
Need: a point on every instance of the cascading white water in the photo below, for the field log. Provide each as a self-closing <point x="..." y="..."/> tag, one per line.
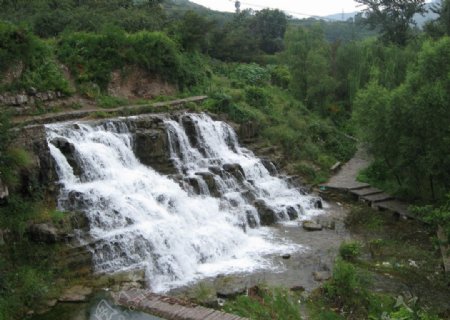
<point x="217" y="145"/>
<point x="142" y="219"/>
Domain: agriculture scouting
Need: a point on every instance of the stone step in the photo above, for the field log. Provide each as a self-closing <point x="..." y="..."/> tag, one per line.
<point x="358" y="186"/>
<point x="366" y="191"/>
<point x="380" y="197"/>
<point x="395" y="206"/>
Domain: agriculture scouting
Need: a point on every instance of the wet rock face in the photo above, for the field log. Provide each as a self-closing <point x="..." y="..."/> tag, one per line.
<point x="151" y="145"/>
<point x="235" y="169"/>
<point x="68" y="150"/>
<point x="43" y="232"/>
<point x="269" y="166"/>
<point x="41" y="174"/>
<point x="267" y="215"/>
<point x="208" y="177"/>
<point x="191" y="131"/>
<point x="292" y="213"/>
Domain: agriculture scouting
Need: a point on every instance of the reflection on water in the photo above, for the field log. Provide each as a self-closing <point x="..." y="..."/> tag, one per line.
<point x="99" y="308"/>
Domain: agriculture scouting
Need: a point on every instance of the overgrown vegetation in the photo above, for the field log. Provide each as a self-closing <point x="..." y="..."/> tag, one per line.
<point x="266" y="303"/>
<point x="371" y="275"/>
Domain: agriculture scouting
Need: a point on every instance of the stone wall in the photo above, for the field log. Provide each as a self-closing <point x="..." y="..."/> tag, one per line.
<point x="31" y="98"/>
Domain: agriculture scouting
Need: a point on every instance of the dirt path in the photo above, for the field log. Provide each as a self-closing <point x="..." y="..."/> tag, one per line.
<point x="346" y="177"/>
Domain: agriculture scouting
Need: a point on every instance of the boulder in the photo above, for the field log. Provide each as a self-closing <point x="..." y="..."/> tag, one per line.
<point x="311" y="226"/>
<point x="229" y="287"/>
<point x="43" y="232"/>
<point x="321" y="275"/>
<point x="317" y="203"/>
<point x="267" y="215"/>
<point x="76" y="294"/>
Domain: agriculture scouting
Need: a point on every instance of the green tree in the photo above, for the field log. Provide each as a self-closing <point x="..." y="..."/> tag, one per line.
<point x="440" y="26"/>
<point x="408" y="128"/>
<point x="270" y="26"/>
<point x="308" y="57"/>
<point x="194" y="30"/>
<point x="393" y="17"/>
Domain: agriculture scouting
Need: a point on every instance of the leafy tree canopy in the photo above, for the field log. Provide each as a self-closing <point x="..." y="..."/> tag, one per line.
<point x="393" y="17"/>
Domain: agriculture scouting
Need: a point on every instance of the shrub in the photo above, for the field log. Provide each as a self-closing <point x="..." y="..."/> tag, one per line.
<point x="40" y="70"/>
<point x="257" y="97"/>
<point x="92" y="57"/>
<point x="265" y="304"/>
<point x="348" y="289"/>
<point x="280" y="76"/>
<point x="251" y="74"/>
<point x="350" y="250"/>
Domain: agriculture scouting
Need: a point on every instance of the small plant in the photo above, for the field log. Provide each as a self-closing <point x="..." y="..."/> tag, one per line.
<point x="375" y="247"/>
<point x="348" y="289"/>
<point x="266" y="304"/>
<point x="110" y="102"/>
<point x="350" y="250"/>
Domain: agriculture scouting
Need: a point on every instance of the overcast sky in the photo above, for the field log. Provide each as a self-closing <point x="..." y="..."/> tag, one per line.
<point x="310" y="7"/>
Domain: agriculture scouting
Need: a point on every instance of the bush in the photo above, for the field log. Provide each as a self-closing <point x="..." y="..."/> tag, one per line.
<point x="350" y="250"/>
<point x="251" y="74"/>
<point x="348" y="289"/>
<point x="19" y="47"/>
<point x="257" y="97"/>
<point x="265" y="304"/>
<point x="92" y="57"/>
<point x="280" y="76"/>
<point x="221" y="102"/>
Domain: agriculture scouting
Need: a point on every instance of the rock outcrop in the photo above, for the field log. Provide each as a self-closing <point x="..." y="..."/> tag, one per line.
<point x="151" y="144"/>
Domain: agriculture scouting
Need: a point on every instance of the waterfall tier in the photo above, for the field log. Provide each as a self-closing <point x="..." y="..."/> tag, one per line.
<point x="204" y="218"/>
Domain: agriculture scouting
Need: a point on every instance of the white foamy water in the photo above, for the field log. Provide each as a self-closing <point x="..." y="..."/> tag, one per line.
<point x="141" y="219"/>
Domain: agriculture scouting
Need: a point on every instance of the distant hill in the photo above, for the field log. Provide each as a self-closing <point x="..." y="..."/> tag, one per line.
<point x="420" y="20"/>
<point x="176" y="8"/>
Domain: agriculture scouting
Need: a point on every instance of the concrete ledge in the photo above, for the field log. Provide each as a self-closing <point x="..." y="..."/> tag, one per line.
<point x="126" y="110"/>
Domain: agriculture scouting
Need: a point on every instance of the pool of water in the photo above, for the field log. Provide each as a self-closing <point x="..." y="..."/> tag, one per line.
<point x="100" y="307"/>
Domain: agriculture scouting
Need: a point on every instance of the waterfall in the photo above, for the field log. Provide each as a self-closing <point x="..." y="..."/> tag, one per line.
<point x="205" y="222"/>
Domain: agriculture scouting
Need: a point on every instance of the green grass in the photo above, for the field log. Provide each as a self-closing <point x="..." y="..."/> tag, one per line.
<point x="266" y="304"/>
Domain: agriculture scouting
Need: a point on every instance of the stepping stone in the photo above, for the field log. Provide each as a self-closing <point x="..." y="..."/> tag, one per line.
<point x="311" y="226"/>
<point x="377" y="197"/>
<point x="358" y="186"/>
<point x="366" y="191"/>
<point x="395" y="206"/>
